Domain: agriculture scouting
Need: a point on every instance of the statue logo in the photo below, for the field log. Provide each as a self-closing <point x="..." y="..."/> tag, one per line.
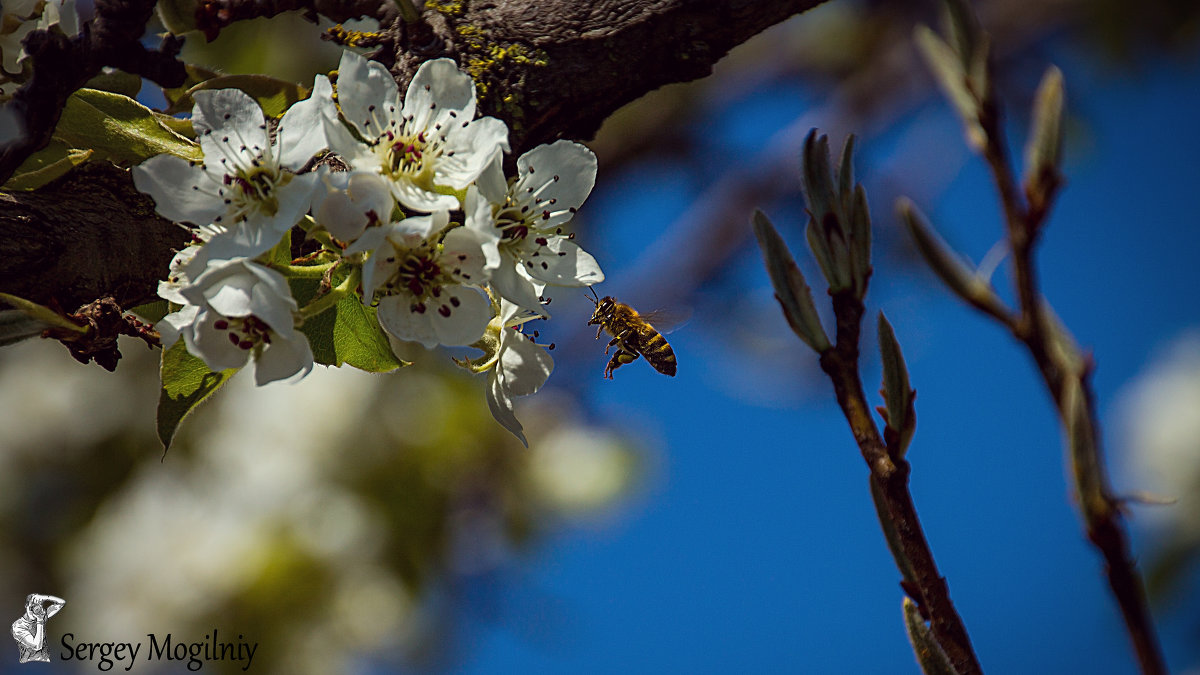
<point x="30" y="629"/>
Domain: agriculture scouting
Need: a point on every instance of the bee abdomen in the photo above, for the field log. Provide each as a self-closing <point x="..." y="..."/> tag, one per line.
<point x="659" y="354"/>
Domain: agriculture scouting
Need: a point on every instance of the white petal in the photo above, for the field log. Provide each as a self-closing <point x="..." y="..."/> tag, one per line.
<point x="397" y="317"/>
<point x="469" y="255"/>
<point x="367" y="95"/>
<point x="368" y="241"/>
<point x="302" y="129"/>
<point x="229" y="124"/>
<point x="516" y="288"/>
<point x="562" y="176"/>
<point x="175" y="324"/>
<point x="419" y="199"/>
<point x="274" y="310"/>
<point x="282" y="359"/>
<point x="459" y="316"/>
<point x="525" y="365"/>
<point x="492" y="184"/>
<point x="181" y="190"/>
<point x="439" y="83"/>
<point x="243" y="241"/>
<point x="294" y="199"/>
<point x="232" y="295"/>
<point x="563" y="263"/>
<point x="502" y="408"/>
<point x="354" y="151"/>
<point x="418" y="227"/>
<point x="212" y="345"/>
<point x="475" y="147"/>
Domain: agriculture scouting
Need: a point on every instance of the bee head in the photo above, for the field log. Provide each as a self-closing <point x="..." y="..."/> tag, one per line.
<point x="604" y="310"/>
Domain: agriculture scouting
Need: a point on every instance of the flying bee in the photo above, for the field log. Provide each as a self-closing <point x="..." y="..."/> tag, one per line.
<point x="633" y="336"/>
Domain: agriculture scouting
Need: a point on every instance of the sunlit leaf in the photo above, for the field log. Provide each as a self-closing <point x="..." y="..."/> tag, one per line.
<point x="119" y="129"/>
<point x="46" y="165"/>
<point x="186" y="383"/>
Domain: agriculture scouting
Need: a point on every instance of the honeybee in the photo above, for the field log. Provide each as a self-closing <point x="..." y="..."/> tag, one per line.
<point x="632" y="336"/>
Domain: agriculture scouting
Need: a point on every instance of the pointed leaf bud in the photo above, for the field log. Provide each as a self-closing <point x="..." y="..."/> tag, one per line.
<point x="897" y="394"/>
<point x="929" y="654"/>
<point x="790" y="288"/>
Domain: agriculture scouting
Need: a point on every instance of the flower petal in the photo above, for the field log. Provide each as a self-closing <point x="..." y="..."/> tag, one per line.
<point x="212" y="345"/>
<point x="562" y="176"/>
<point x="172" y="326"/>
<point x="397" y="317"/>
<point x="179" y="188"/>
<point x="367" y="95"/>
<point x="475" y="147"/>
<point x="282" y="359"/>
<point x="502" y="408"/>
<point x="302" y="129"/>
<point x="438" y="88"/>
<point x="469" y="255"/>
<point x="525" y="364"/>
<point x="230" y="126"/>
<point x="562" y="263"/>
<point x="517" y="288"/>
<point x="459" y="316"/>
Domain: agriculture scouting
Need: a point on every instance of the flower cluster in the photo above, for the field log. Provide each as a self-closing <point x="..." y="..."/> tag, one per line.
<point x="424" y="228"/>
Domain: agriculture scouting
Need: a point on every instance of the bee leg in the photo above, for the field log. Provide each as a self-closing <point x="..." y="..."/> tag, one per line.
<point x="611" y="343"/>
<point x="599" y="329"/>
<point x="620" y="358"/>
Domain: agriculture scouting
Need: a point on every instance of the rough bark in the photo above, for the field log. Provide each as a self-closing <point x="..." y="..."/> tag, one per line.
<point x="550" y="69"/>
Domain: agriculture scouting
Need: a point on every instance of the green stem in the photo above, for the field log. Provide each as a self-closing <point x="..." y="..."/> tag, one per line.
<point x="305" y="271"/>
<point x="333" y="297"/>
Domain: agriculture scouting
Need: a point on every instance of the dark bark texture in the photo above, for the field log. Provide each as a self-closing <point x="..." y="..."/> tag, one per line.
<point x="550" y="69"/>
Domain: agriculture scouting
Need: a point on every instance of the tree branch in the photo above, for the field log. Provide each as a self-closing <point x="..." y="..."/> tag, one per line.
<point x="1067" y="375"/>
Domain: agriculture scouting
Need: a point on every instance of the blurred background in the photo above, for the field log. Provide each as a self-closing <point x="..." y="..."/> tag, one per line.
<point x="719" y="520"/>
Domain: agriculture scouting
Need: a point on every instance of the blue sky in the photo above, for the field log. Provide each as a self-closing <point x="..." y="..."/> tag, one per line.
<point x="753" y="545"/>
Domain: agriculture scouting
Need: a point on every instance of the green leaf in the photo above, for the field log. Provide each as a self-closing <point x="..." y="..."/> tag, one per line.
<point x="930" y="657"/>
<point x="897" y="393"/>
<point x="16" y="326"/>
<point x="153" y="311"/>
<point x="350" y="334"/>
<point x="117" y="82"/>
<point x="46" y="165"/>
<point x="186" y="383"/>
<point x="274" y="95"/>
<point x="347" y="333"/>
<point x="791" y="289"/>
<point x="119" y="129"/>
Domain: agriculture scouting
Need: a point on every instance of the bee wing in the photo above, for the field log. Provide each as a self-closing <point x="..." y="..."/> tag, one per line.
<point x="667" y="320"/>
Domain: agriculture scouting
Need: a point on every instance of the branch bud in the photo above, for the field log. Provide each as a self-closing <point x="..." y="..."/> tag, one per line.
<point x="791" y="290"/>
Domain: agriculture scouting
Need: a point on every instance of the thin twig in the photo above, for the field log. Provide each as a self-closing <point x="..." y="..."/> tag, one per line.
<point x="1068" y="377"/>
<point x="890" y="472"/>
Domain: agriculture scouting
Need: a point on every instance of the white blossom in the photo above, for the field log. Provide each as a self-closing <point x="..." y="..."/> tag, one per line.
<point x="521" y="367"/>
<point x="425" y="286"/>
<point x="245" y="196"/>
<point x="237" y="308"/>
<point x="527" y="216"/>
<point x="427" y="143"/>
